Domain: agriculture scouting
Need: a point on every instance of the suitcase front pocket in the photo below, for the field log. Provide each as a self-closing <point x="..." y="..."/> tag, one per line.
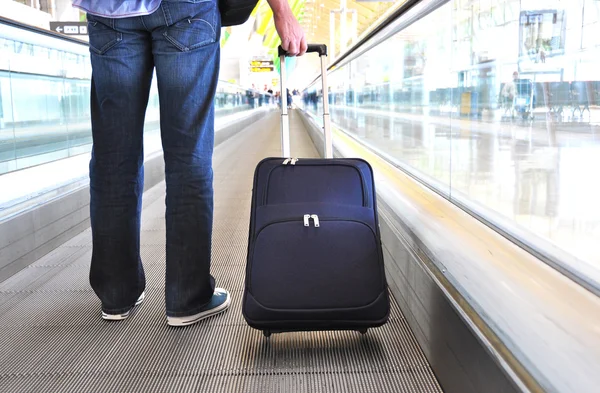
<point x="312" y="183"/>
<point x="313" y="263"/>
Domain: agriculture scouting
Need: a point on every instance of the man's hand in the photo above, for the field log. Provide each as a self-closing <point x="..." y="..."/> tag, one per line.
<point x="288" y="28"/>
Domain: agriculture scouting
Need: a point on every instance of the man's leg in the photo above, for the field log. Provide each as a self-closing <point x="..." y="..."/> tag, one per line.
<point x="186" y="54"/>
<point x="122" y="67"/>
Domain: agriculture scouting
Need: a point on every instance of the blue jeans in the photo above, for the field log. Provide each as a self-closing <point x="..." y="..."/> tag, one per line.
<point x="181" y="41"/>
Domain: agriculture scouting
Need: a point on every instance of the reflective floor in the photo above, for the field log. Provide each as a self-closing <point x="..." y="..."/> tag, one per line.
<point x="541" y="175"/>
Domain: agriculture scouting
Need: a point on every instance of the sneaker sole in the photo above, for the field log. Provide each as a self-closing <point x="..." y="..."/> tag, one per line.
<point x="120" y="317"/>
<point x="201" y="316"/>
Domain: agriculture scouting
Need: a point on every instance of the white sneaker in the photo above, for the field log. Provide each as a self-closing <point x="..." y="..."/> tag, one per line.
<point x="119" y="317"/>
<point x="219" y="303"/>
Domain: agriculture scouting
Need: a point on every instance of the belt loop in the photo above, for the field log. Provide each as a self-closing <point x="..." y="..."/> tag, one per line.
<point x="143" y="22"/>
<point x="166" y="13"/>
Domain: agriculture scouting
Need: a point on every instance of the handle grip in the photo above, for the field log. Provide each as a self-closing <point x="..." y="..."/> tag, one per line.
<point x="321" y="49"/>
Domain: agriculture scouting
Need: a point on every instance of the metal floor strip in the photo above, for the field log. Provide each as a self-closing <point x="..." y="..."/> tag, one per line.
<point x="54" y="340"/>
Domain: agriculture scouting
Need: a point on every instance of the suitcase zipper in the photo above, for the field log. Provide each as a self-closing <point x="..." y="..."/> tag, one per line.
<point x="306" y="219"/>
<point x="292" y="161"/>
<point x="315" y="218"/>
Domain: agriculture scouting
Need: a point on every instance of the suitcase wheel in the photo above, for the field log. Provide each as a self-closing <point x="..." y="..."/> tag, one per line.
<point x="363" y="331"/>
<point x="267" y="333"/>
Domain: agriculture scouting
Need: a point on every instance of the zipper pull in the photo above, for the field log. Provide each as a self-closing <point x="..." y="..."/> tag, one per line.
<point x="306" y="220"/>
<point x="287" y="160"/>
<point x="316" y="218"/>
<point x="294" y="161"/>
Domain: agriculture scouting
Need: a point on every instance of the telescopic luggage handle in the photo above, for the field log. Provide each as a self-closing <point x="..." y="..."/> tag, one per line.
<point x="321" y="49"/>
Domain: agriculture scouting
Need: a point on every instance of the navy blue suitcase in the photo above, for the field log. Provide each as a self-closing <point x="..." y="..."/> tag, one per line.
<point x="314" y="259"/>
<point x="314" y="251"/>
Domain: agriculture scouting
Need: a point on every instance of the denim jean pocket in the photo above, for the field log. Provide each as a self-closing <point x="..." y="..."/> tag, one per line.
<point x="199" y="28"/>
<point x="102" y="35"/>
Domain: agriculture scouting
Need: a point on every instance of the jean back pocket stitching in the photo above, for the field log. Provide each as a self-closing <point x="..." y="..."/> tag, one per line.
<point x="184" y="48"/>
<point x="205" y="21"/>
<point x="108" y="45"/>
<point x="174" y="42"/>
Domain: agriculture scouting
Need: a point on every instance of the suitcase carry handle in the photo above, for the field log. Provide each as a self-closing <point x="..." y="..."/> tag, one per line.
<point x="321" y="49"/>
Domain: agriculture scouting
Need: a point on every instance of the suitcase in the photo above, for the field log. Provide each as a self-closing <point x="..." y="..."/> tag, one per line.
<point x="314" y="258"/>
